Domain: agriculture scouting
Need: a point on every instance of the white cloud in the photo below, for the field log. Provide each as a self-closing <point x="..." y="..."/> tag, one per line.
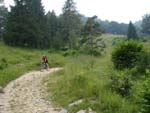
<point x="118" y="10"/>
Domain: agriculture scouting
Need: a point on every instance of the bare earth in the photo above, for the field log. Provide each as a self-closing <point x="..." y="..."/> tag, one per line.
<point x="26" y="95"/>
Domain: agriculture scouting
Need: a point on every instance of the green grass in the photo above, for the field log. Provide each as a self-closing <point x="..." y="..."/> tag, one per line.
<point x="79" y="81"/>
<point x="16" y="61"/>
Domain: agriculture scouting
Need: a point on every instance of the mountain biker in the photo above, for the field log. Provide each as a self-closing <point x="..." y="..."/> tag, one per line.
<point x="45" y="61"/>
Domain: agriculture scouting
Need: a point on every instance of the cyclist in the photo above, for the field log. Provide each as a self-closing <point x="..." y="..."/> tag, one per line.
<point x="45" y="61"/>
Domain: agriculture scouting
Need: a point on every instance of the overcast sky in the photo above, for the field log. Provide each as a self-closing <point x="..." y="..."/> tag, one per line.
<point x="118" y="10"/>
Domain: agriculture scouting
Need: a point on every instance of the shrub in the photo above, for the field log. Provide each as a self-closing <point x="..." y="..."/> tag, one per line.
<point x="95" y="52"/>
<point x="143" y="63"/>
<point x="3" y="64"/>
<point x="126" y="54"/>
<point x="116" y="41"/>
<point x="145" y="101"/>
<point x="120" y="85"/>
<point x="70" y="53"/>
<point x="88" y="51"/>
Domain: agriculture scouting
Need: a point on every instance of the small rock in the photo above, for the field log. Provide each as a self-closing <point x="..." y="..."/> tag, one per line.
<point x="82" y="111"/>
<point x="76" y="103"/>
<point x="90" y="110"/>
<point x="20" y="65"/>
<point x="63" y="111"/>
<point x="45" y="111"/>
<point x="93" y="101"/>
<point x="1" y="90"/>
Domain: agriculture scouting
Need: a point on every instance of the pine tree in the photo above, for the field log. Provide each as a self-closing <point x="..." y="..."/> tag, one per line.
<point x="71" y="24"/>
<point x="53" y="29"/>
<point x="38" y="15"/>
<point x="26" y="24"/>
<point x="90" y="33"/>
<point x="132" y="32"/>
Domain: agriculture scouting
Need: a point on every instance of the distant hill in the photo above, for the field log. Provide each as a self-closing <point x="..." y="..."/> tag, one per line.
<point x="113" y="27"/>
<point x="138" y="23"/>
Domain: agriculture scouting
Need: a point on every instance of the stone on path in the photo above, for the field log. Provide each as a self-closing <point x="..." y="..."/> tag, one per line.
<point x="91" y="111"/>
<point x="1" y="90"/>
<point x="63" y="111"/>
<point x="76" y="103"/>
<point x="82" y="111"/>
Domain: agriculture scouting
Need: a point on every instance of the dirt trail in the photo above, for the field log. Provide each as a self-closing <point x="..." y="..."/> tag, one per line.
<point x="26" y="95"/>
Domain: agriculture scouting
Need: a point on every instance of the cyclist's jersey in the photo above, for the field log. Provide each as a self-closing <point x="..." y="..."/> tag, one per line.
<point x="45" y="59"/>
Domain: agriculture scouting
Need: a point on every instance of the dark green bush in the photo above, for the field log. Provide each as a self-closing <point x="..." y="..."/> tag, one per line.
<point x="120" y="85"/>
<point x="126" y="54"/>
<point x="70" y="53"/>
<point x="115" y="41"/>
<point x="145" y="94"/>
<point x="143" y="63"/>
<point x="3" y="63"/>
<point x="95" y="52"/>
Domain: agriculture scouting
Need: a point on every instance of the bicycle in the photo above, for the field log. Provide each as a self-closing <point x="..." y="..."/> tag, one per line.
<point x="44" y="66"/>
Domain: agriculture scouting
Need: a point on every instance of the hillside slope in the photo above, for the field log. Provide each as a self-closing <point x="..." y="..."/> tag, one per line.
<point x="16" y="61"/>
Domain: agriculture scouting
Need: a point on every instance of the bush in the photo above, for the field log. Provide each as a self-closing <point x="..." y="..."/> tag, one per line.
<point x="116" y="41"/>
<point x="120" y="85"/>
<point x="145" y="94"/>
<point x="70" y="53"/>
<point x="95" y="52"/>
<point x="126" y="54"/>
<point x="143" y="63"/>
<point x="88" y="51"/>
<point x="3" y="64"/>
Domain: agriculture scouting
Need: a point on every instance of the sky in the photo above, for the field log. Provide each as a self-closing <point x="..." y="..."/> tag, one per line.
<point x="112" y="10"/>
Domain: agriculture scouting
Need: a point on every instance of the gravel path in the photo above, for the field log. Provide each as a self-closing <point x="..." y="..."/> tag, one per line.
<point x="26" y="95"/>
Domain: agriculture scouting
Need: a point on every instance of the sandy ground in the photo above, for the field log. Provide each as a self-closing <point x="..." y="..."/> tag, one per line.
<point x="26" y="95"/>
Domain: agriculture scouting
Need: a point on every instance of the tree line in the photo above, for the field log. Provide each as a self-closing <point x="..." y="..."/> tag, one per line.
<point x="28" y="25"/>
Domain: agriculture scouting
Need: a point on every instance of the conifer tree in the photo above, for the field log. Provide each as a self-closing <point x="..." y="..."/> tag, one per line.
<point x="26" y="24"/>
<point x="71" y="24"/>
<point x="53" y="28"/>
<point x="90" y="33"/>
<point x="132" y="32"/>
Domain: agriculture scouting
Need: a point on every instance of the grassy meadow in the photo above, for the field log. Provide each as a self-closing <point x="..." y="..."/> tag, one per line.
<point x="83" y="77"/>
<point x="89" y="79"/>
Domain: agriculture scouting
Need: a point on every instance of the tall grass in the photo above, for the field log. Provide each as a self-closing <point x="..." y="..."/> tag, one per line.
<point x="79" y="81"/>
